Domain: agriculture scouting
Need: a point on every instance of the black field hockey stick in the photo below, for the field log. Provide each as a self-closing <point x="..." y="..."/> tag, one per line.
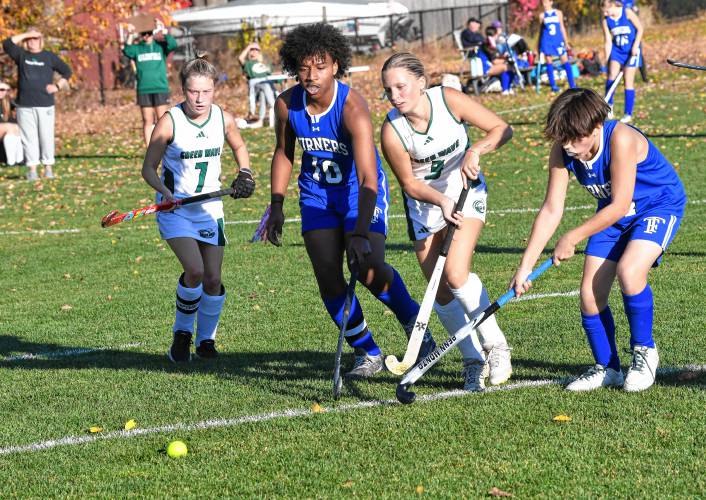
<point x="686" y="65"/>
<point x="116" y="217"/>
<point x="404" y="395"/>
<point x="420" y="324"/>
<point x="350" y="291"/>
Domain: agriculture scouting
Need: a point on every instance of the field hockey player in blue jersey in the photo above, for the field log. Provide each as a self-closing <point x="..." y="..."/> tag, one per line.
<point x="425" y="141"/>
<point x="344" y="198"/>
<point x="554" y="42"/>
<point x="623" y="35"/>
<point x="640" y="206"/>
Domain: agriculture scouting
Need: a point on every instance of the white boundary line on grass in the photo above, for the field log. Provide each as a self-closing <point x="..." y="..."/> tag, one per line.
<point x="65" y="353"/>
<point x="290" y="413"/>
<point x="501" y="211"/>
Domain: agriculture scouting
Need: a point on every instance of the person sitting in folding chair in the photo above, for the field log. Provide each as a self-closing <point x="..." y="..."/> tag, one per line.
<point x="495" y="64"/>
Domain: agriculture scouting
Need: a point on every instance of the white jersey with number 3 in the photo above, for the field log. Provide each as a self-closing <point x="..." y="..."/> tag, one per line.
<point x="192" y="162"/>
<point x="437" y="156"/>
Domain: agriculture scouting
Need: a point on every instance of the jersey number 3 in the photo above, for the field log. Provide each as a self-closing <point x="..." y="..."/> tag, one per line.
<point x="203" y="167"/>
<point x="330" y="169"/>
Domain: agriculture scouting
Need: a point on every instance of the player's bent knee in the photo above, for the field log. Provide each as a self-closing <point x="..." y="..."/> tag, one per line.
<point x="457" y="278"/>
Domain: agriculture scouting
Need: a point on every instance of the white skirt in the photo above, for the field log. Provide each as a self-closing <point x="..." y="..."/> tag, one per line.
<point x="173" y="225"/>
<point x="425" y="219"/>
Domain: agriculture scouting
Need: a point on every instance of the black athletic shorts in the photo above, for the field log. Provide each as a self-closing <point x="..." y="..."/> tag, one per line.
<point x="152" y="100"/>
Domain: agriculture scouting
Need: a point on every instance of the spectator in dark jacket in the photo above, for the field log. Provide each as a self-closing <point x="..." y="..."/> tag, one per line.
<point x="9" y="131"/>
<point x="35" y="97"/>
<point x="471" y="36"/>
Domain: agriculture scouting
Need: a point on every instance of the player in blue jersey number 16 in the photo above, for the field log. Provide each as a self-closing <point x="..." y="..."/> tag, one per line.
<point x="640" y="205"/>
<point x="344" y="196"/>
<point x="187" y="141"/>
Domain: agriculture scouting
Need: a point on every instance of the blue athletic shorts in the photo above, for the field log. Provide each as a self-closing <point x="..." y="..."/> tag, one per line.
<point x="553" y="50"/>
<point x="626" y="59"/>
<point x="337" y="206"/>
<point x="657" y="226"/>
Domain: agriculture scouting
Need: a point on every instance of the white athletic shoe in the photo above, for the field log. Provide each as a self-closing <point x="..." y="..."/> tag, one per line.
<point x="626" y="119"/>
<point x="596" y="377"/>
<point x="498" y="365"/>
<point x="32" y="176"/>
<point x="473" y="378"/>
<point x="365" y="366"/>
<point x="642" y="371"/>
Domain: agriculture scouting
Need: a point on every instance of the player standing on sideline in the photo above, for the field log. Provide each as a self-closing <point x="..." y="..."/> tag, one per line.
<point x="640" y="205"/>
<point x="425" y="141"/>
<point x="554" y="42"/>
<point x="149" y="50"/>
<point x="188" y="140"/>
<point x="623" y="35"/>
<point x="344" y="195"/>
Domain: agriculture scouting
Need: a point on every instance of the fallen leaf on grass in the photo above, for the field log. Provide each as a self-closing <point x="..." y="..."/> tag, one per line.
<point x="347" y="484"/>
<point x="95" y="429"/>
<point x="130" y="425"/>
<point x="497" y="492"/>
<point x="562" y="418"/>
<point x="419" y="490"/>
<point x="316" y="408"/>
<point x="66" y="307"/>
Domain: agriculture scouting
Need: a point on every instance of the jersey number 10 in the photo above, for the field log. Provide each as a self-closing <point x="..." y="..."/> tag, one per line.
<point x="330" y="169"/>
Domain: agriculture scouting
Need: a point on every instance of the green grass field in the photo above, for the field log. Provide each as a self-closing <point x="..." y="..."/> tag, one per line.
<point x="86" y="317"/>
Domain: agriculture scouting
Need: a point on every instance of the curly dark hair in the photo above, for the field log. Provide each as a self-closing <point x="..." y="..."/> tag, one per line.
<point x="315" y="40"/>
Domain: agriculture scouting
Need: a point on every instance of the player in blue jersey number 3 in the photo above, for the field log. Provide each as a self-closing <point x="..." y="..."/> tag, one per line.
<point x="640" y="206"/>
<point x="344" y="196"/>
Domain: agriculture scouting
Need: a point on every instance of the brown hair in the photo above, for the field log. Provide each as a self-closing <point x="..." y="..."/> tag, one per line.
<point x="198" y="67"/>
<point x="405" y="60"/>
<point x="5" y="108"/>
<point x="575" y="114"/>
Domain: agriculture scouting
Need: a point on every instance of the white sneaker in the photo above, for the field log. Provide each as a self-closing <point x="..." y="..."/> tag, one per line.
<point x="498" y="365"/>
<point x="643" y="369"/>
<point x="626" y="119"/>
<point x="473" y="378"/>
<point x="596" y="377"/>
<point x="365" y="365"/>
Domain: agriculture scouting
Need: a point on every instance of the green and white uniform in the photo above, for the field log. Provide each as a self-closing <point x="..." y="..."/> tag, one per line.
<point x="437" y="156"/>
<point x="192" y="165"/>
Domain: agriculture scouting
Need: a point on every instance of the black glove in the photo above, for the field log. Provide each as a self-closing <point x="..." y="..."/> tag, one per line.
<point x="274" y="224"/>
<point x="243" y="185"/>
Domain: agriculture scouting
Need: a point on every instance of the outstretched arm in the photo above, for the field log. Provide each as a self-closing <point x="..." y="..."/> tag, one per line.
<point x="161" y="136"/>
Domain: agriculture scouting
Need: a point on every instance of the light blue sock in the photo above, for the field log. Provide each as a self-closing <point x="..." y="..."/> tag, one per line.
<point x="187" y="304"/>
<point x="629" y="101"/>
<point x="569" y="74"/>
<point x="208" y="316"/>
<point x="639" y="309"/>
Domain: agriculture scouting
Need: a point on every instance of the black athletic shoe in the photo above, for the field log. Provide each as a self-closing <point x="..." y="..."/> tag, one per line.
<point x="180" y="352"/>
<point x="207" y="349"/>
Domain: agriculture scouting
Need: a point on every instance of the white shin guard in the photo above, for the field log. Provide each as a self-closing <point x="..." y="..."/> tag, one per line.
<point x="474" y="298"/>
<point x="454" y="318"/>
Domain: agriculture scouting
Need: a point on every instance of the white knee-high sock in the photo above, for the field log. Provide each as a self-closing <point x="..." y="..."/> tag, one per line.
<point x="208" y="316"/>
<point x="454" y="318"/>
<point x="474" y="298"/>
<point x="187" y="303"/>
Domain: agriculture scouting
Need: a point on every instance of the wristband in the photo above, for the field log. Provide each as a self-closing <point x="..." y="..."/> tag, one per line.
<point x="277" y="198"/>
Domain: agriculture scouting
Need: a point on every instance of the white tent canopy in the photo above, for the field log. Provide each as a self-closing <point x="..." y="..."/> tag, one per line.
<point x="282" y="13"/>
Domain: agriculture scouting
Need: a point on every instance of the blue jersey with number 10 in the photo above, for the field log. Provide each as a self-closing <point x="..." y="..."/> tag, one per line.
<point x="327" y="157"/>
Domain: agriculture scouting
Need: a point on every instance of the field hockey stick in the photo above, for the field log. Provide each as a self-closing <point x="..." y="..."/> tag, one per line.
<point x="611" y="90"/>
<point x="404" y="395"/>
<point x="420" y="323"/>
<point x="350" y="290"/>
<point x="686" y="65"/>
<point x="539" y="72"/>
<point x="115" y="217"/>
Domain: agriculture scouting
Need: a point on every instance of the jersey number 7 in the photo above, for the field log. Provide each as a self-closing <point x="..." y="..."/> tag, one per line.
<point x="203" y="167"/>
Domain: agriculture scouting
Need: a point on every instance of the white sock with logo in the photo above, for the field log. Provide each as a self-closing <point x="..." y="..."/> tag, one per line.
<point x="454" y="318"/>
<point x="474" y="298"/>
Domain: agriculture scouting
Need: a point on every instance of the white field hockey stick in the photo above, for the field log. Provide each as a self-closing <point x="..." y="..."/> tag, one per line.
<point x="686" y="65"/>
<point x="350" y="290"/>
<point x="612" y="88"/>
<point x="420" y="324"/>
<point x="539" y="72"/>
<point x="404" y="395"/>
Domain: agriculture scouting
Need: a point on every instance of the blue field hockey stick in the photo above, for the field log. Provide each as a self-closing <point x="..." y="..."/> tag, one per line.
<point x="404" y="395"/>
